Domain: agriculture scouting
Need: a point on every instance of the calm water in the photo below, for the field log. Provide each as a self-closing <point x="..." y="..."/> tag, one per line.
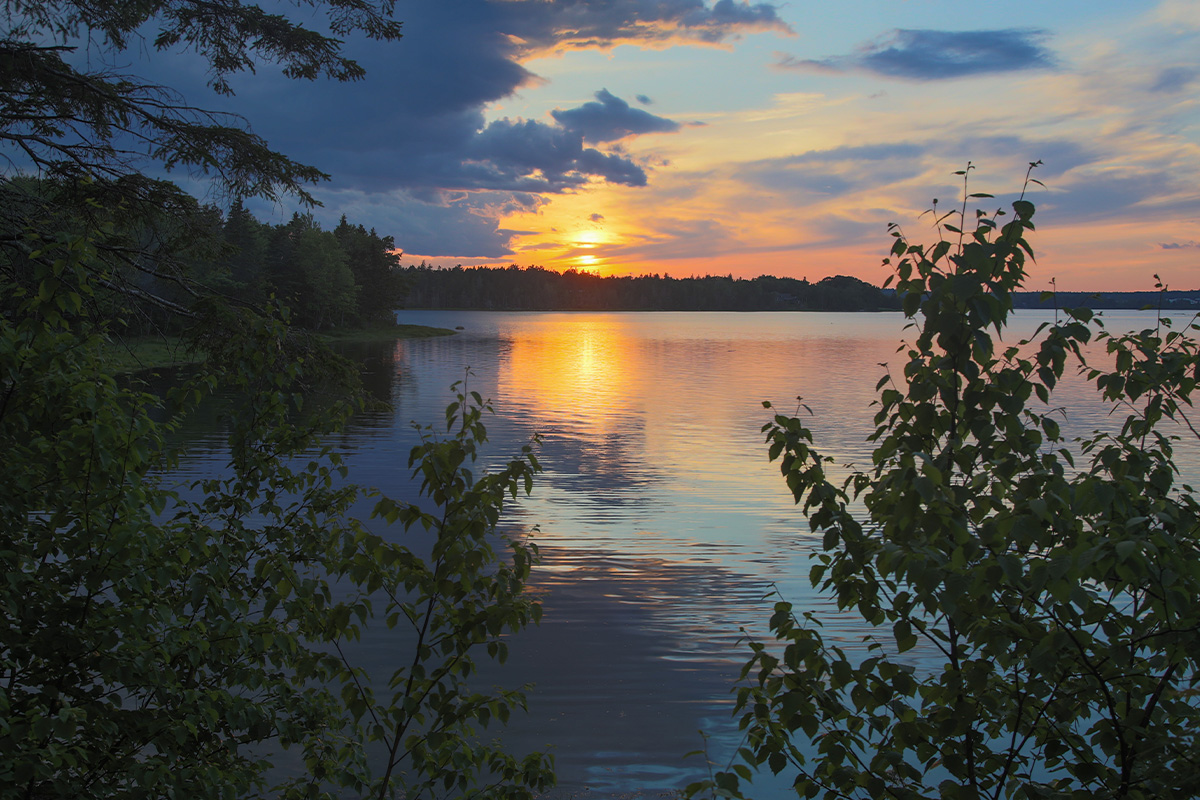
<point x="662" y="525"/>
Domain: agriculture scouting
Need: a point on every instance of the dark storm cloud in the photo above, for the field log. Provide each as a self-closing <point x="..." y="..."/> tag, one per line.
<point x="415" y="127"/>
<point x="926" y="55"/>
<point x="532" y="156"/>
<point x="609" y="118"/>
<point x="420" y="220"/>
<point x="513" y="155"/>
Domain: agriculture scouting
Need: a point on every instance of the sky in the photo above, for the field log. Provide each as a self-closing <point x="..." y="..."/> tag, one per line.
<point x="693" y="137"/>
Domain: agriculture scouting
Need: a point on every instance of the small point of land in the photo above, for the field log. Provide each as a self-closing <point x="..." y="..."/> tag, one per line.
<point x="397" y="331"/>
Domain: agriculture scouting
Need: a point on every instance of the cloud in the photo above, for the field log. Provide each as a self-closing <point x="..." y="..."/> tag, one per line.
<point x="1178" y="245"/>
<point x="415" y="131"/>
<point x="530" y="156"/>
<point x="596" y="217"/>
<point x="533" y="248"/>
<point x="1175" y="79"/>
<point x="672" y="238"/>
<point x="420" y="221"/>
<point x="1146" y="193"/>
<point x="926" y="55"/>
<point x="813" y="175"/>
<point x="542" y="27"/>
<point x="836" y="171"/>
<point x="644" y="100"/>
<point x="870" y="152"/>
<point x="609" y="118"/>
<point x="1058" y="156"/>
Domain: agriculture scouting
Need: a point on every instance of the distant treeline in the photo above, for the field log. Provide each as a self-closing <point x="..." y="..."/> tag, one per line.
<point x="1186" y="300"/>
<point x="516" y="288"/>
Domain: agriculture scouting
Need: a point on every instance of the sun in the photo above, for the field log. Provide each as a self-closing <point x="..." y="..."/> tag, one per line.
<point x="588" y="240"/>
<point x="591" y="238"/>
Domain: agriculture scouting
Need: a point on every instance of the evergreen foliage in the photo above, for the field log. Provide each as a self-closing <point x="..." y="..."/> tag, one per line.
<point x="375" y="262"/>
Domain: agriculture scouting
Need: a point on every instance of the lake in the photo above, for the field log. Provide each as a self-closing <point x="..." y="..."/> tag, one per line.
<point x="662" y="525"/>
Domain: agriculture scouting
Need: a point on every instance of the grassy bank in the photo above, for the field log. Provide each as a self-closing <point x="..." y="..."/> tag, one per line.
<point x="156" y="352"/>
<point x="134" y="354"/>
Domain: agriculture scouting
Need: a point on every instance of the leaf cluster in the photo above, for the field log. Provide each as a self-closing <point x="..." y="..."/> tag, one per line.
<point x="158" y="641"/>
<point x="460" y="598"/>
<point x="1033" y="598"/>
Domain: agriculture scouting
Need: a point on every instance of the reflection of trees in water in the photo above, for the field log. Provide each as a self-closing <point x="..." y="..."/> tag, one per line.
<point x="390" y="384"/>
<point x="378" y="365"/>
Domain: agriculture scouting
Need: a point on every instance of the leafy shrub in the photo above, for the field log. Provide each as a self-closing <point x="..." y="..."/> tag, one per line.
<point x="155" y="645"/>
<point x="1054" y="602"/>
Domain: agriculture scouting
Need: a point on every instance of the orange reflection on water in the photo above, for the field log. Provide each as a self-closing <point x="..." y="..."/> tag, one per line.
<point x="635" y="409"/>
<point x="576" y="370"/>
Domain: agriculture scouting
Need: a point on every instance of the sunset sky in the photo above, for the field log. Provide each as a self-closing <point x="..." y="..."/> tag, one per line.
<point x="694" y="137"/>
